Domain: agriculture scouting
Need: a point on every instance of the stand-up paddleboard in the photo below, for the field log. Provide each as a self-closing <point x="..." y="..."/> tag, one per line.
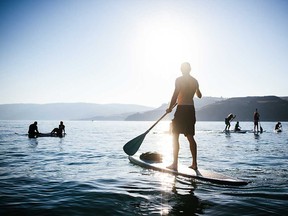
<point x="45" y="135"/>
<point x="200" y="174"/>
<point x="49" y="135"/>
<point x="279" y="130"/>
<point x="240" y="132"/>
<point x="232" y="131"/>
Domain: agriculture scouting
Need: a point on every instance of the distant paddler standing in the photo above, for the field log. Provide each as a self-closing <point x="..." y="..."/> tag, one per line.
<point x="256" y="117"/>
<point x="228" y="119"/>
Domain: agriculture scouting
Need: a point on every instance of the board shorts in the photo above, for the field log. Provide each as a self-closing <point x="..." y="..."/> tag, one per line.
<point x="227" y="122"/>
<point x="184" y="120"/>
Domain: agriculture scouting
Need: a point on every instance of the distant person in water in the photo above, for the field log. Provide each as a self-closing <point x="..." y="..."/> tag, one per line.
<point x="228" y="119"/>
<point x="60" y="131"/>
<point x="184" y="118"/>
<point x="33" y="130"/>
<point x="278" y="126"/>
<point x="237" y="127"/>
<point x="256" y="117"/>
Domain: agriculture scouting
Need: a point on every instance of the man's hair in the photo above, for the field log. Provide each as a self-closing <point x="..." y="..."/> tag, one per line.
<point x="185" y="68"/>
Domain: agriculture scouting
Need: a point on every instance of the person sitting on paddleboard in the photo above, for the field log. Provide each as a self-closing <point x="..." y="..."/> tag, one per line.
<point x="237" y="127"/>
<point x="60" y="131"/>
<point x="33" y="130"/>
<point x="278" y="126"/>
<point x="184" y="118"/>
<point x="228" y="119"/>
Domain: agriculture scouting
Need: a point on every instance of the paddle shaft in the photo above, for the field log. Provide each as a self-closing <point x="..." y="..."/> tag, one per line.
<point x="159" y="120"/>
<point x="156" y="122"/>
<point x="133" y="145"/>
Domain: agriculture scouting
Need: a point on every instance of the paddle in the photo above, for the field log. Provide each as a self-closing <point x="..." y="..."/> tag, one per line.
<point x="131" y="147"/>
<point x="261" y="129"/>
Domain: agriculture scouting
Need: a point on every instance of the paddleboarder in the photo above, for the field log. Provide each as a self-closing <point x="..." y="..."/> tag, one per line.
<point x="60" y="131"/>
<point x="228" y="119"/>
<point x="33" y="130"/>
<point x="278" y="126"/>
<point x="184" y="118"/>
<point x="237" y="127"/>
<point x="256" y="117"/>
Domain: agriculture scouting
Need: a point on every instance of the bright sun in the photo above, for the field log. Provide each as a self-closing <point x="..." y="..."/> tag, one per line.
<point x="163" y="43"/>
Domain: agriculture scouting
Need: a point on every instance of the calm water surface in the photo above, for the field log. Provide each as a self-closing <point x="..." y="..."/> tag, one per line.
<point x="87" y="172"/>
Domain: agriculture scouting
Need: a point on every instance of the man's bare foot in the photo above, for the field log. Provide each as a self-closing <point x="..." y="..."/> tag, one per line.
<point x="172" y="167"/>
<point x="193" y="167"/>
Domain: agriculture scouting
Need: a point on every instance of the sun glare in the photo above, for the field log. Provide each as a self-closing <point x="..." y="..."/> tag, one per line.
<point x="163" y="43"/>
<point x="165" y="141"/>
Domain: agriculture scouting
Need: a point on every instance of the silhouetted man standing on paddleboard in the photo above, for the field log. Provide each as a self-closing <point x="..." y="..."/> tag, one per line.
<point x="184" y="118"/>
<point x="228" y="119"/>
<point x="256" y="117"/>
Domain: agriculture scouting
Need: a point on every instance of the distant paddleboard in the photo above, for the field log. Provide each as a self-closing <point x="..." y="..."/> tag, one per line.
<point x="232" y="131"/>
<point x="200" y="174"/>
<point x="45" y="135"/>
<point x="279" y="130"/>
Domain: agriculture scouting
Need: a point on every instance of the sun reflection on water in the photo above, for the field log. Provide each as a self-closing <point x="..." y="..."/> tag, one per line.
<point x="172" y="187"/>
<point x="164" y="142"/>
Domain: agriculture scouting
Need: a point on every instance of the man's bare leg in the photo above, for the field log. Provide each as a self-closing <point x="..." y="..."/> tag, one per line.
<point x="193" y="149"/>
<point x="176" y="148"/>
<point x="256" y="126"/>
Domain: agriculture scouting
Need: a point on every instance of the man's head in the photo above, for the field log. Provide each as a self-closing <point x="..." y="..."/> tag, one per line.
<point x="185" y="68"/>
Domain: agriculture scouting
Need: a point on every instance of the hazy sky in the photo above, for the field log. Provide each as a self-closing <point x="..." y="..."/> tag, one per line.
<point x="130" y="51"/>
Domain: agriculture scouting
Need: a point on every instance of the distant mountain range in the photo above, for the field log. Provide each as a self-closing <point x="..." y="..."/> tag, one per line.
<point x="156" y="113"/>
<point x="69" y="111"/>
<point x="271" y="108"/>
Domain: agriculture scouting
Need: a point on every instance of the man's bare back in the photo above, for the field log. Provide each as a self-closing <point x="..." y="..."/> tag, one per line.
<point x="187" y="87"/>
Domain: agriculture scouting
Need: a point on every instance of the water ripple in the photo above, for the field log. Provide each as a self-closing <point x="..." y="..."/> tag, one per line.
<point x="90" y="175"/>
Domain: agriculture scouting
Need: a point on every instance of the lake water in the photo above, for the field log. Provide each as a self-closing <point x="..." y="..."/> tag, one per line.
<point x="87" y="172"/>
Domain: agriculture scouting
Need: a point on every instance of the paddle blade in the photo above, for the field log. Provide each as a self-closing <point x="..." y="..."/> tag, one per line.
<point x="261" y="129"/>
<point x="131" y="147"/>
